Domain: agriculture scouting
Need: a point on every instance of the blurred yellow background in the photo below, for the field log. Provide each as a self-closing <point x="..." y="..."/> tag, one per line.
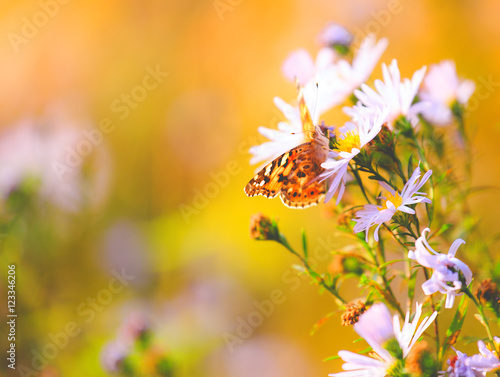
<point x="172" y="209"/>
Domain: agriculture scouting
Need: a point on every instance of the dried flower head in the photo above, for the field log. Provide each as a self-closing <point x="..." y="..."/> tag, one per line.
<point x="488" y="292"/>
<point x="263" y="228"/>
<point x="352" y="313"/>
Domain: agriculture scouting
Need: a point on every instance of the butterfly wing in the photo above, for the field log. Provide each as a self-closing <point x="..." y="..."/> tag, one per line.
<point x="305" y="116"/>
<point x="302" y="189"/>
<point x="304" y="197"/>
<point x="270" y="179"/>
<point x="291" y="176"/>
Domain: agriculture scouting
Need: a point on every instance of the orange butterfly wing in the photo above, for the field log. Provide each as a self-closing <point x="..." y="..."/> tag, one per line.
<point x="293" y="175"/>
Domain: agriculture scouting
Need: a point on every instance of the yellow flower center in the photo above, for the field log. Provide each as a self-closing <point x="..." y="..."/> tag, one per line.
<point x="349" y="142"/>
<point x="395" y="199"/>
<point x="497" y="344"/>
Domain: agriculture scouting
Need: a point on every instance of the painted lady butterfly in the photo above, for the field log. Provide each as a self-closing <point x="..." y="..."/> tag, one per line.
<point x="293" y="175"/>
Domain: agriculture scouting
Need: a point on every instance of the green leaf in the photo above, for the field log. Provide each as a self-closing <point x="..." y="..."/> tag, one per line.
<point x="410" y="165"/>
<point x="331" y="358"/>
<point x="411" y="284"/>
<point x="314" y="275"/>
<point x="320" y="323"/>
<point x="456" y="325"/>
<point x="382" y="291"/>
<point x="390" y="262"/>
<point x="304" y="243"/>
<point x="440" y="231"/>
<point x="430" y="211"/>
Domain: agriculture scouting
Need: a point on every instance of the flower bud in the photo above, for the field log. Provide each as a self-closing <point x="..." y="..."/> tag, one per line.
<point x="343" y="264"/>
<point x="336" y="37"/>
<point x="263" y="228"/>
<point x="488" y="294"/>
<point x="420" y="361"/>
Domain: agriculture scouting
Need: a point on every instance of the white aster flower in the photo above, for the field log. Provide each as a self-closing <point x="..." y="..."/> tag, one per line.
<point x="486" y="360"/>
<point x="392" y="92"/>
<point x="351" y="139"/>
<point x="354" y="74"/>
<point x="475" y="365"/>
<point x="314" y="76"/>
<point x="411" y="331"/>
<point x="377" y="327"/>
<point x="446" y="269"/>
<point x="373" y="214"/>
<point x="338" y="83"/>
<point x="32" y="150"/>
<point x="459" y="367"/>
<point x="288" y="135"/>
<point x="329" y="81"/>
<point x="440" y="89"/>
<point x="300" y="66"/>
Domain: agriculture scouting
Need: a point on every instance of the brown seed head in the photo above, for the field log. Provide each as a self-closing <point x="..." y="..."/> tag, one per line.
<point x="352" y="313"/>
<point x="488" y="292"/>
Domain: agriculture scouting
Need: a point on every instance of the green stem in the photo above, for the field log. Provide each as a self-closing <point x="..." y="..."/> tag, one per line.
<point x="436" y="326"/>
<point x="425" y="163"/>
<point x="395" y="303"/>
<point x="283" y="241"/>
<point x="355" y="172"/>
<point x="381" y="248"/>
<point x="399" y="166"/>
<point x="396" y="237"/>
<point x="380" y="177"/>
<point x="483" y="317"/>
<point x="426" y="273"/>
<point x="461" y="128"/>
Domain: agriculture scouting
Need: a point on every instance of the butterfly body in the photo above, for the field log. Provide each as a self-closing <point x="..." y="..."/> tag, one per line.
<point x="294" y="175"/>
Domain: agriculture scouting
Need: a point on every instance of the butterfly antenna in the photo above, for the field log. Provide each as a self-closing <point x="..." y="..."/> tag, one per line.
<point x="315" y="101"/>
